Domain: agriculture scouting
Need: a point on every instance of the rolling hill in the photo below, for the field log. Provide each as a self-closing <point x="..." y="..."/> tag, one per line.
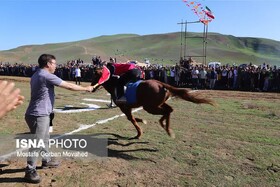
<point x="158" y="48"/>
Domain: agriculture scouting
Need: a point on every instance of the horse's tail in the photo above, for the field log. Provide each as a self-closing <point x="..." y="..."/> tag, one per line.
<point x="186" y="95"/>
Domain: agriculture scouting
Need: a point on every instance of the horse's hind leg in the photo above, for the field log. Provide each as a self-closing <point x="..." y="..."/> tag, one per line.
<point x="168" y="109"/>
<point x="130" y="117"/>
<point x="161" y="121"/>
<point x="164" y="110"/>
<point x="141" y="120"/>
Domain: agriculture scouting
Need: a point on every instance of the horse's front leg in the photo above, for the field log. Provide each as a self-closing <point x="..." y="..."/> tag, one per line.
<point x="130" y="117"/>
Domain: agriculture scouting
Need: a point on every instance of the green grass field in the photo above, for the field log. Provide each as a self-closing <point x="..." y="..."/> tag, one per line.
<point x="234" y="144"/>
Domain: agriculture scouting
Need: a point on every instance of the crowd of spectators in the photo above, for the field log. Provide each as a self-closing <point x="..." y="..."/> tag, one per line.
<point x="246" y="77"/>
<point x="64" y="71"/>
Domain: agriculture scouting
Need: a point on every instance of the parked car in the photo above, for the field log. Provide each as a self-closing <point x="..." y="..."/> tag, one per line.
<point x="214" y="64"/>
<point x="243" y="66"/>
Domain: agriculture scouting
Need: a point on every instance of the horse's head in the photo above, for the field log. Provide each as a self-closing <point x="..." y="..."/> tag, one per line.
<point x="97" y="73"/>
<point x="109" y="85"/>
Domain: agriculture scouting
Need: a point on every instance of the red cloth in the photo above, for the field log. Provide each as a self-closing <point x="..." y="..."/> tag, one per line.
<point x="105" y="75"/>
<point x="122" y="68"/>
<point x="119" y="69"/>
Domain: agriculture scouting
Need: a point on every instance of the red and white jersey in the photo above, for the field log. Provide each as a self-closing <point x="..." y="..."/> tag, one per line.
<point x="122" y="68"/>
<point x="119" y="69"/>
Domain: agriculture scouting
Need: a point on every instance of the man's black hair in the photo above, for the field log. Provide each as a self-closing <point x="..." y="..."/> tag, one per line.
<point x="44" y="59"/>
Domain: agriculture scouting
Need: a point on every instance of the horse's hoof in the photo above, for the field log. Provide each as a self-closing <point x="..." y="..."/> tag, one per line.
<point x="135" y="138"/>
<point x="171" y="134"/>
<point x="145" y="122"/>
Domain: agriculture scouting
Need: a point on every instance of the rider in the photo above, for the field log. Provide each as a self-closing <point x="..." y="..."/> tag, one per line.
<point x="124" y="72"/>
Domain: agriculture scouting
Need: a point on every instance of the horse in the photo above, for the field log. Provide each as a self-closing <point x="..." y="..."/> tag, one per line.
<point x="152" y="96"/>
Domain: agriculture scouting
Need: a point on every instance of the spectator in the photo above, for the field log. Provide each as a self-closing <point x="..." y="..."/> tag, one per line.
<point x="224" y="80"/>
<point x="195" y="73"/>
<point x="38" y="113"/>
<point x="235" y="76"/>
<point x="213" y="78"/>
<point x="10" y="98"/>
<point x="78" y="75"/>
<point x="230" y="78"/>
<point x="202" y="78"/>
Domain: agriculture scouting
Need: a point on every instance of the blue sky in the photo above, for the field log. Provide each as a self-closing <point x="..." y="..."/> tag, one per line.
<point x="28" y="22"/>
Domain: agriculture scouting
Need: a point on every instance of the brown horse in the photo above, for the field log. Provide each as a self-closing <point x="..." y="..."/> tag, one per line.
<point x="152" y="96"/>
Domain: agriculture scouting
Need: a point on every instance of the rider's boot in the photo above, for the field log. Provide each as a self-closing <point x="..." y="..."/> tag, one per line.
<point x="121" y="100"/>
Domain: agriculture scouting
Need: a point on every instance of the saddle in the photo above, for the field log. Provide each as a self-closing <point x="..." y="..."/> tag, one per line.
<point x="130" y="92"/>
